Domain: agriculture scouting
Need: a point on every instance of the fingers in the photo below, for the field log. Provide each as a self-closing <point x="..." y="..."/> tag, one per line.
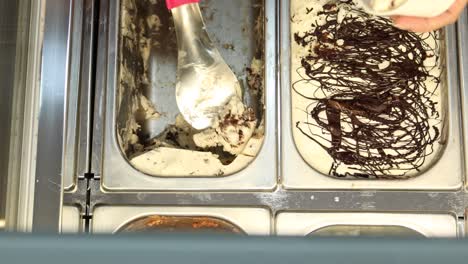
<point x="418" y="24"/>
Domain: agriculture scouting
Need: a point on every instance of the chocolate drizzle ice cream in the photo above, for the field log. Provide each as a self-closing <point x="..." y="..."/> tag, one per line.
<point x="178" y="150"/>
<point x="366" y="94"/>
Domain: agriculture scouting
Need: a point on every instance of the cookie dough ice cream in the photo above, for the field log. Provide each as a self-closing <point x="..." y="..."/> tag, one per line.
<point x="180" y="150"/>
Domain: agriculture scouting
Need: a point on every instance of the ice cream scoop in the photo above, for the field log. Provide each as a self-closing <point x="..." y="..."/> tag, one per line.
<point x="418" y="8"/>
<point x="205" y="83"/>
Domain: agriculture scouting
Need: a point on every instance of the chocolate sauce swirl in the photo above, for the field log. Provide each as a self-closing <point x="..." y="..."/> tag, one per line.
<point x="367" y="82"/>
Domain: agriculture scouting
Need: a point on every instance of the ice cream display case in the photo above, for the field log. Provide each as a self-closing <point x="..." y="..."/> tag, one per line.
<point x="147" y="170"/>
<point x="347" y="126"/>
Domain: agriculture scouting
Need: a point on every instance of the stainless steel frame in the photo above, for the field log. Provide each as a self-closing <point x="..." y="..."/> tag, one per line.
<point x="64" y="106"/>
<point x="253" y="221"/>
<point x="116" y="172"/>
<point x="284" y="200"/>
<point x="53" y="94"/>
<point x="428" y="225"/>
<point x="21" y="170"/>
<point x="90" y="194"/>
<point x="446" y="174"/>
<point x="80" y="112"/>
<point x="462" y="26"/>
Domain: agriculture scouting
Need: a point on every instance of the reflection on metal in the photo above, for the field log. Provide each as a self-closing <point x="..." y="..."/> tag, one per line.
<point x="71" y="220"/>
<point x="365" y="231"/>
<point x="73" y="137"/>
<point x="53" y="92"/>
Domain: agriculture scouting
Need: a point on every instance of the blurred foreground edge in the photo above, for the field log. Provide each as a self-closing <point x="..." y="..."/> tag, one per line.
<point x="225" y="249"/>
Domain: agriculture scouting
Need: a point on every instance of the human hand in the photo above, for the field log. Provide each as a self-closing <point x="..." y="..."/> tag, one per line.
<point x="426" y="24"/>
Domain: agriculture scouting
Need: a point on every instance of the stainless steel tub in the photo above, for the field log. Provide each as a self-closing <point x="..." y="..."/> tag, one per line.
<point x="107" y="219"/>
<point x="407" y="224"/>
<point x="445" y="174"/>
<point x="117" y="173"/>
